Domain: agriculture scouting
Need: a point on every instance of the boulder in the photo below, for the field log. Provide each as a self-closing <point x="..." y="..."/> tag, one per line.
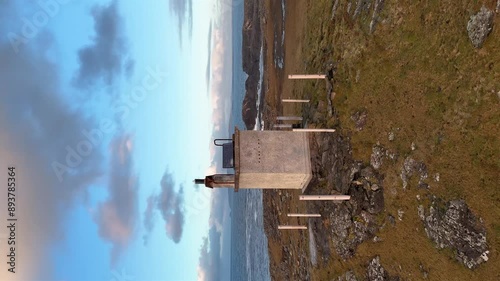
<point x="480" y="26"/>
<point x="453" y="225"/>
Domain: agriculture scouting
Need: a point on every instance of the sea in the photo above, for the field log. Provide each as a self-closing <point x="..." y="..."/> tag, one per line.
<point x="249" y="248"/>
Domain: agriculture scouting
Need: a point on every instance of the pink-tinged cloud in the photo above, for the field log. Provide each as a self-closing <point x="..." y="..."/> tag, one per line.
<point x="220" y="92"/>
<point x="41" y="135"/>
<point x="36" y="130"/>
<point x="117" y="216"/>
<point x="170" y="204"/>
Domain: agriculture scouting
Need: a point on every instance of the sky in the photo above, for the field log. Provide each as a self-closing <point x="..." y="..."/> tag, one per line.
<point x="107" y="111"/>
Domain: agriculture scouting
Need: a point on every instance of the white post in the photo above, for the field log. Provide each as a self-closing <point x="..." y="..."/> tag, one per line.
<point x="287" y="126"/>
<point x="315" y="130"/>
<point x="305" y="215"/>
<point x="292" y="100"/>
<point x="283" y="227"/>
<point x="289" y="118"/>
<point x="325" y="197"/>
<point x="306" y="76"/>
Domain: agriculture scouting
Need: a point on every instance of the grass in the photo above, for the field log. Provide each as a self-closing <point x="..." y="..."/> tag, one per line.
<point x="418" y="76"/>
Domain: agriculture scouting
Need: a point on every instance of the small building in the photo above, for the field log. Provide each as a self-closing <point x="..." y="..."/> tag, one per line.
<point x="264" y="159"/>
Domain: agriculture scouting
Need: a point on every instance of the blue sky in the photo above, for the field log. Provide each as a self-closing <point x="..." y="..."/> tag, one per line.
<point x="107" y="116"/>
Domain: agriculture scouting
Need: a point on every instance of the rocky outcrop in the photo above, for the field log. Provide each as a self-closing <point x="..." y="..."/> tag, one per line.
<point x="379" y="4"/>
<point x="480" y="26"/>
<point x="249" y="109"/>
<point x="360" y="9"/>
<point x="348" y="224"/>
<point x="376" y="272"/>
<point x="453" y="225"/>
<point x="377" y="156"/>
<point x="348" y="231"/>
<point x="379" y="153"/>
<point x="413" y="167"/>
<point x="252" y="41"/>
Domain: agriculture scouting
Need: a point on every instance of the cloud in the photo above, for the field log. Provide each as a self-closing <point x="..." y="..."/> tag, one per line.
<point x="209" y="268"/>
<point x="36" y="127"/>
<point x="171" y="206"/>
<point x="183" y="9"/>
<point x="107" y="56"/>
<point x="149" y="217"/>
<point x="214" y="259"/>
<point x="209" y="57"/>
<point x="116" y="217"/>
<point x="220" y="88"/>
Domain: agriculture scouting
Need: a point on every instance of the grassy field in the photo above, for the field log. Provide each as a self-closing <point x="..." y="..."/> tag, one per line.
<point x="417" y="76"/>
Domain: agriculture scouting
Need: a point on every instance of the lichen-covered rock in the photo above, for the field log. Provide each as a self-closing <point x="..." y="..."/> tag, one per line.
<point x="348" y="231"/>
<point x="377" y="156"/>
<point x="480" y="26"/>
<point x="376" y="272"/>
<point x="453" y="225"/>
<point x="348" y="276"/>
<point x="379" y="4"/>
<point x="411" y="167"/>
<point x="359" y="118"/>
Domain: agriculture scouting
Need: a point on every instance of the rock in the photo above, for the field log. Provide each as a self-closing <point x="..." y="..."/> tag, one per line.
<point x="413" y="146"/>
<point x="480" y="26"/>
<point x="348" y="233"/>
<point x="359" y="118"/>
<point x="375" y="201"/>
<point x="348" y="276"/>
<point x="421" y="212"/>
<point x="453" y="225"/>
<point x="391" y="136"/>
<point x="249" y="111"/>
<point x="423" y="185"/>
<point x="379" y="4"/>
<point x="411" y="167"/>
<point x="391" y="219"/>
<point x="391" y="154"/>
<point x="375" y="271"/>
<point x="425" y="272"/>
<point x="324" y="158"/>
<point x="436" y="177"/>
<point x="400" y="214"/>
<point x="367" y="191"/>
<point x="377" y="156"/>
